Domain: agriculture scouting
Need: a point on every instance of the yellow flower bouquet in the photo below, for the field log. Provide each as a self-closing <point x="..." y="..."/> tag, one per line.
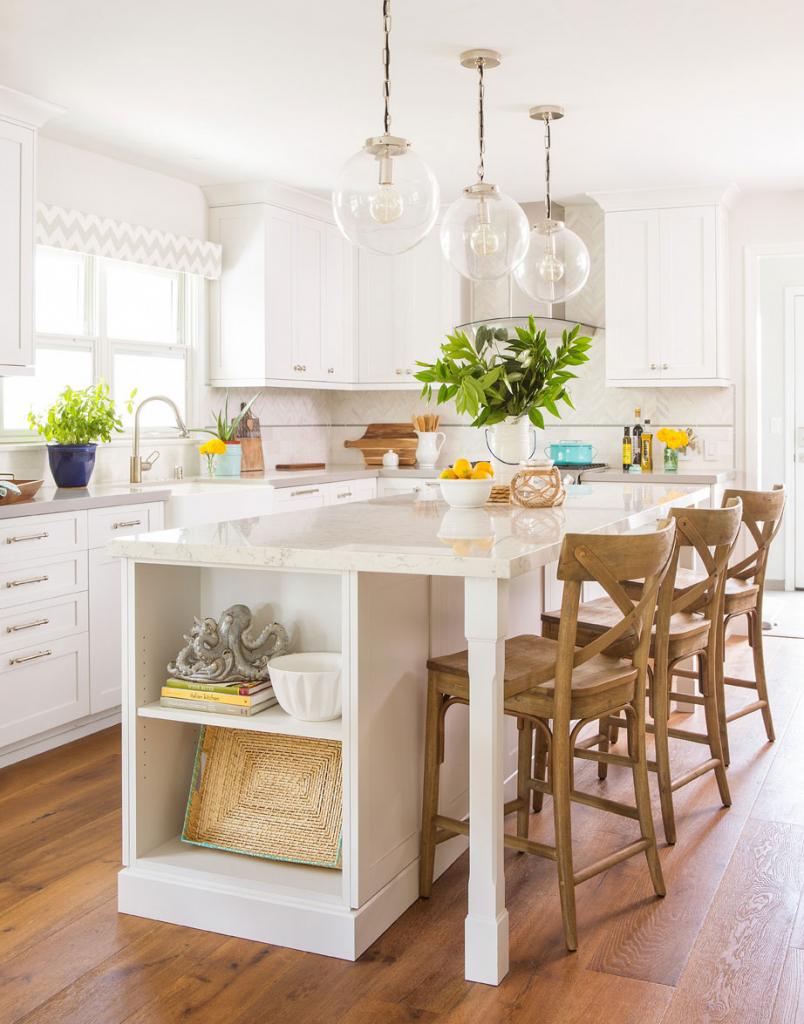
<point x="215" y="446"/>
<point x="673" y="438"/>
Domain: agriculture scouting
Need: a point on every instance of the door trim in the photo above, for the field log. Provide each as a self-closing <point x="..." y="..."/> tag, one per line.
<point x="790" y="295"/>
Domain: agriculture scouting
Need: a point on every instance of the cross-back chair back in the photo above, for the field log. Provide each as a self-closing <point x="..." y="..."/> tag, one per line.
<point x="762" y="517"/>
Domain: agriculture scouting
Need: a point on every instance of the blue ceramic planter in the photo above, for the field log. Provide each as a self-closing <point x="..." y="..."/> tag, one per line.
<point x="71" y="464"/>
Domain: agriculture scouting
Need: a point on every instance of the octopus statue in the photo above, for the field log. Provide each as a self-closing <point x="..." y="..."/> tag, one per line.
<point x="217" y="652"/>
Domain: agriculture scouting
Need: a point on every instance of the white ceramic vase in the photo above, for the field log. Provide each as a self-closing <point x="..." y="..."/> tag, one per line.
<point x="511" y="442"/>
<point x="429" y="447"/>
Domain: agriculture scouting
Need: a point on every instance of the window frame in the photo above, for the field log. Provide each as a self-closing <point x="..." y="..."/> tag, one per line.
<point x="189" y="318"/>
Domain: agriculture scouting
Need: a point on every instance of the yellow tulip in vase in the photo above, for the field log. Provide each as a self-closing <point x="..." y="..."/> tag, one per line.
<point x="674" y="441"/>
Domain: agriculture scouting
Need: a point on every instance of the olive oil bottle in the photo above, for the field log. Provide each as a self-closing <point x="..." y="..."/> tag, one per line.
<point x="628" y="451"/>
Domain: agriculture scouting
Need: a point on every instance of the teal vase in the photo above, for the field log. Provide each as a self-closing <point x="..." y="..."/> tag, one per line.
<point x="670" y="460"/>
<point x="228" y="464"/>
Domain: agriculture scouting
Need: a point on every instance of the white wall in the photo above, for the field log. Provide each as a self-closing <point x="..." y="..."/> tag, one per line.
<point x="80" y="180"/>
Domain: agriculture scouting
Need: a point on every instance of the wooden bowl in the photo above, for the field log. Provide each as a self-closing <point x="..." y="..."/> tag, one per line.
<point x="28" y="487"/>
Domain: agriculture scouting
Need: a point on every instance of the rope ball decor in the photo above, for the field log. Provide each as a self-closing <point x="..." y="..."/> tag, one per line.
<point x="537" y="485"/>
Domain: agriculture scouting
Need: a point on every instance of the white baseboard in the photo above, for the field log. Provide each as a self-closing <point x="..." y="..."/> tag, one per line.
<point x="15" y="752"/>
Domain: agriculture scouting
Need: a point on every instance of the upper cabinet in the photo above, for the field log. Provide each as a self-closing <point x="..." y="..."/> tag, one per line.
<point x="282" y="311"/>
<point x="297" y="305"/>
<point x="666" y="301"/>
<point x="20" y="116"/>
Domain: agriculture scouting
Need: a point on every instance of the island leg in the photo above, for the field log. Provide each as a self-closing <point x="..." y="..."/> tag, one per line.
<point x="486" y="928"/>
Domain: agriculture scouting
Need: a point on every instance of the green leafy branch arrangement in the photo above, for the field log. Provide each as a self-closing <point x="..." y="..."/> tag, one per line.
<point x="81" y="416"/>
<point x="500" y="377"/>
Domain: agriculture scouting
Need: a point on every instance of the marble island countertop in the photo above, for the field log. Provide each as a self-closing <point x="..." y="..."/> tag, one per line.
<point x="405" y="535"/>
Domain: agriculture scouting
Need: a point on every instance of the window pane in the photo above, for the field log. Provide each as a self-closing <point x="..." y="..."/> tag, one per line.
<point x="149" y="374"/>
<point x="55" y="369"/>
<point x="60" y="291"/>
<point x="141" y="302"/>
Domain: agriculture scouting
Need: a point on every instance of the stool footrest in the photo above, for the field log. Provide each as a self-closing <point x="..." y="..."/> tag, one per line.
<point x="746" y="684"/>
<point x="602" y="804"/>
<point x="686" y="698"/>
<point x="453" y="826"/>
<point x="694" y="773"/>
<point x="591" y="741"/>
<point x="749" y="709"/>
<point x="681" y="734"/>
<point x="604" y="758"/>
<point x="613" y="858"/>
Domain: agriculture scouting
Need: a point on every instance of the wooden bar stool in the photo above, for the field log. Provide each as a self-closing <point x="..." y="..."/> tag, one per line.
<point x="687" y="618"/>
<point x="553" y="681"/>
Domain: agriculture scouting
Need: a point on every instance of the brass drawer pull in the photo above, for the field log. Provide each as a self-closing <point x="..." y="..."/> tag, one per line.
<point x="27" y="625"/>
<point x="29" y="657"/>
<point x="345" y="494"/>
<point x="124" y="525"/>
<point x="29" y="536"/>
<point x="31" y="579"/>
<point x="310" y="490"/>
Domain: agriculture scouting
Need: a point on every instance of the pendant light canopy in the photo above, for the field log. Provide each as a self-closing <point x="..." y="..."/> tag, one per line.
<point x="484" y="233"/>
<point x="386" y="197"/>
<point x="557" y="264"/>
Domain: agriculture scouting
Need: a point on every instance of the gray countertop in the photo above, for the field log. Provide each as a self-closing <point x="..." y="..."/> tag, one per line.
<point x="691" y="475"/>
<point x="71" y="499"/>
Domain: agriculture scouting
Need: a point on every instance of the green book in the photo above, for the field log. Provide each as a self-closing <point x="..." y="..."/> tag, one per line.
<point x="216" y="709"/>
<point x="243" y="689"/>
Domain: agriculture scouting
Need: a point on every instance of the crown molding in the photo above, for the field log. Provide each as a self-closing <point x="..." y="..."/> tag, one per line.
<point x="662" y="198"/>
<point x="26" y="110"/>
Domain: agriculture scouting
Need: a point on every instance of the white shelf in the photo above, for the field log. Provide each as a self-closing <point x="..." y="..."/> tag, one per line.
<point x="273" y="720"/>
<point x="270" y="878"/>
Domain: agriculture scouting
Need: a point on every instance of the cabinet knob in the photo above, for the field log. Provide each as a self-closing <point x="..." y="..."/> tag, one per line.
<point x="407" y="372"/>
<point x="654" y="366"/>
<point x="330" y="369"/>
<point x="665" y="366"/>
<point x="398" y="373"/>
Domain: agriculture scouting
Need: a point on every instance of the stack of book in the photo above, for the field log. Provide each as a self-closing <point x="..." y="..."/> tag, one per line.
<point x="231" y="698"/>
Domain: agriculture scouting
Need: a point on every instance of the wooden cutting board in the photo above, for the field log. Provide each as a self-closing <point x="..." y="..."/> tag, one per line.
<point x="379" y="437"/>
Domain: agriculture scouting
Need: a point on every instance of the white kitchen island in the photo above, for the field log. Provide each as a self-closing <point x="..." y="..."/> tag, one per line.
<point x="386" y="583"/>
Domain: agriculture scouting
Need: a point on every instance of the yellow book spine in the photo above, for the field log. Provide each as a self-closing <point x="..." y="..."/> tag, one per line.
<point x="206" y="695"/>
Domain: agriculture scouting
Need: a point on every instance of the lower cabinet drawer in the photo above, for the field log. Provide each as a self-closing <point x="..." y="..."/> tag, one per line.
<point x="288" y="499"/>
<point x="42" y="578"/>
<point x="351" y="490"/>
<point x="107" y="524"/>
<point x="42" y="620"/>
<point x="42" y="687"/>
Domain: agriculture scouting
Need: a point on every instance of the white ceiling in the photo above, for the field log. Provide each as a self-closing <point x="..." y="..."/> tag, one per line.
<point x="683" y="93"/>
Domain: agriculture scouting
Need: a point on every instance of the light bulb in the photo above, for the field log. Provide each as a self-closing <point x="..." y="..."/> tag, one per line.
<point x="386" y="205"/>
<point x="484" y="240"/>
<point x="551" y="268"/>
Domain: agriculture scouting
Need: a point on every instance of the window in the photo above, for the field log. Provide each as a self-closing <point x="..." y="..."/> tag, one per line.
<point x="129" y="324"/>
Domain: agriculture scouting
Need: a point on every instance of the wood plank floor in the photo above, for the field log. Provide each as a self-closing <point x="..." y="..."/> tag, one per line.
<point x="725" y="945"/>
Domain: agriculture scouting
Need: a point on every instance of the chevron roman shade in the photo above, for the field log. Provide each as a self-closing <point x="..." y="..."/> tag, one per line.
<point x="101" y="236"/>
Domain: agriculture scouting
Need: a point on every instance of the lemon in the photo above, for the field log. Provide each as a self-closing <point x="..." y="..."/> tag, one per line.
<point x="480" y="474"/>
<point x="449" y="474"/>
<point x="485" y="466"/>
<point x="462" y="468"/>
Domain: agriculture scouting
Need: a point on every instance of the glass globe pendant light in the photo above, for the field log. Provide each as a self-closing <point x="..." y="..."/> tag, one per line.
<point x="484" y="233"/>
<point x="557" y="264"/>
<point x="386" y="197"/>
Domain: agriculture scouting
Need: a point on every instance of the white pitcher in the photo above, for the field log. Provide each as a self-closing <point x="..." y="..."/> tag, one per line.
<point x="429" y="447"/>
<point x="512" y="441"/>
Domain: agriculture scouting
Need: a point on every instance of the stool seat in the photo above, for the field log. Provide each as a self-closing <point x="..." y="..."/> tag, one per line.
<point x="598" y="685"/>
<point x="741" y="595"/>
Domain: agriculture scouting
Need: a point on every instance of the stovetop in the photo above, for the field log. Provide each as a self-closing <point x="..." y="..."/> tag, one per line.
<point x="575" y="466"/>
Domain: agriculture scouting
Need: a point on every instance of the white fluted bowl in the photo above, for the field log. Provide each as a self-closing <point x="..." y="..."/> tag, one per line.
<point x="308" y="686"/>
<point x="466" y="493"/>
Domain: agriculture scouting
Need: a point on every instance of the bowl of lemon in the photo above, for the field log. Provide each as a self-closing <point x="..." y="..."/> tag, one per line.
<point x="464" y="485"/>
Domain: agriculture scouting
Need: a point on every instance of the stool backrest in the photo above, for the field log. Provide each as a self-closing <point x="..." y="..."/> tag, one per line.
<point x="762" y="518"/>
<point x="610" y="561"/>
<point x="711" y="533"/>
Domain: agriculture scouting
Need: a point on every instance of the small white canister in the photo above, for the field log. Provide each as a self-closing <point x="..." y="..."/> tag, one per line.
<point x="390" y="460"/>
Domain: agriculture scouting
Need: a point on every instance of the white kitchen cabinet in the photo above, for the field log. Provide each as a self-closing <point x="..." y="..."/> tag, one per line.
<point x="407" y="304"/>
<point x="282" y="311"/>
<point x="20" y="116"/>
<point x="105" y="596"/>
<point x="345" y="492"/>
<point x="666" y="299"/>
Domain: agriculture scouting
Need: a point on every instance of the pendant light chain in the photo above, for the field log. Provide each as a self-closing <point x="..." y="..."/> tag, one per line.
<point x="481" y="122"/>
<point x="386" y="63"/>
<point x="548" y="203"/>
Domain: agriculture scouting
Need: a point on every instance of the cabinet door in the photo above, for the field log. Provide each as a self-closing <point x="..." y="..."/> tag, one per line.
<point x="337" y="345"/>
<point x="688" y="292"/>
<point x="105" y="629"/>
<point x="632" y="296"/>
<point x="376" y="318"/>
<point x="16" y="244"/>
<point x="308" y="298"/>
<point x="280" y="293"/>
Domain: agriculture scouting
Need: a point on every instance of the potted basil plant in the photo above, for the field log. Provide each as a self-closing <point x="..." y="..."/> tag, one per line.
<point x="506" y="383"/>
<point x="73" y="426"/>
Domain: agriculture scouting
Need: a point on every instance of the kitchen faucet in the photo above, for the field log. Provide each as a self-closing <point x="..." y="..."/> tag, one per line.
<point x="138" y="466"/>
